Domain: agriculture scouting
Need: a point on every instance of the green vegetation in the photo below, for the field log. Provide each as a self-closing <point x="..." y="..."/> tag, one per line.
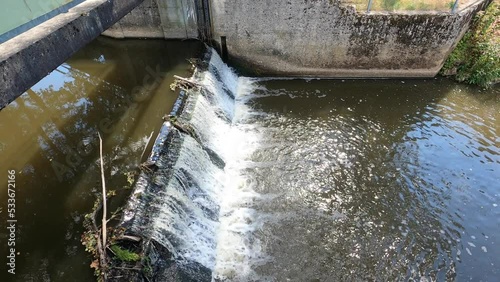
<point x="451" y="4"/>
<point x="389" y="4"/>
<point x="476" y="58"/>
<point x="123" y="254"/>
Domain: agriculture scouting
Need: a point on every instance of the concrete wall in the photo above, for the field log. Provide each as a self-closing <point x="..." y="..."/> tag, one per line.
<point x="171" y="19"/>
<point x="323" y="38"/>
<point x="30" y="56"/>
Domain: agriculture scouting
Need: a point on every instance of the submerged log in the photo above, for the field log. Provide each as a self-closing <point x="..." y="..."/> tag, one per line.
<point x="185" y="128"/>
<point x="189" y="130"/>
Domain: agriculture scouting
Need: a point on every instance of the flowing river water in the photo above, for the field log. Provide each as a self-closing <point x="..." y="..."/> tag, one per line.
<point x="330" y="180"/>
<point x="283" y="180"/>
<point x="376" y="180"/>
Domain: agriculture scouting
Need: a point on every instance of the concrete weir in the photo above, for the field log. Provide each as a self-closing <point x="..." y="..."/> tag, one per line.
<point x="28" y="57"/>
<point x="325" y="38"/>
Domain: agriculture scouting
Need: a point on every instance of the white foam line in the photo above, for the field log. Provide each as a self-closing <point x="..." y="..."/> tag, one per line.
<point x="228" y="245"/>
<point x="238" y="251"/>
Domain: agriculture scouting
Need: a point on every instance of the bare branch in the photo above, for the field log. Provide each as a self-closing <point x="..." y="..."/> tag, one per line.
<point x="102" y="248"/>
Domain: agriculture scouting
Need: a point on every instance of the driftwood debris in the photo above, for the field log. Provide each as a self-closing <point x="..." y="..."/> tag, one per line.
<point x="184" y="83"/>
<point x="147" y="144"/>
<point x="102" y="241"/>
<point x="185" y="128"/>
<point x="136" y="239"/>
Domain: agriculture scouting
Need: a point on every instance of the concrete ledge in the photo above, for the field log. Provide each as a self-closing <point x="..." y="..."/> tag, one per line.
<point x="273" y="66"/>
<point x="144" y="21"/>
<point x="30" y="56"/>
<point x="324" y="38"/>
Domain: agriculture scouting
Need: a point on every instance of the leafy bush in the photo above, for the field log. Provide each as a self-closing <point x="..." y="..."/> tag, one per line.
<point x="476" y="58"/>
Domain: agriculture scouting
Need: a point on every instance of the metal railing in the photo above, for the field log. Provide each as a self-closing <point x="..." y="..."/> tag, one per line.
<point x="450" y="6"/>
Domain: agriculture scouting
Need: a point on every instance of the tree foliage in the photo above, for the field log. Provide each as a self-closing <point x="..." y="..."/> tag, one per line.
<point x="476" y="58"/>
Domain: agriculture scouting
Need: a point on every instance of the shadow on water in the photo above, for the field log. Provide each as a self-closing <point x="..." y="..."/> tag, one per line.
<point x="49" y="136"/>
<point x="379" y="180"/>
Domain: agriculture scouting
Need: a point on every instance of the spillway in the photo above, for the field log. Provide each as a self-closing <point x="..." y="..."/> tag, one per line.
<point x="304" y="180"/>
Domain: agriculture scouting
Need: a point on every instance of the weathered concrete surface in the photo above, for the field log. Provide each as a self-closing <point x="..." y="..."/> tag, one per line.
<point x="170" y="19"/>
<point x="143" y="21"/>
<point x="323" y="38"/>
<point x="28" y="57"/>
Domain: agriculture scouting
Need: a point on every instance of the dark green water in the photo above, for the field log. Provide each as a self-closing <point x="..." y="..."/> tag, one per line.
<point x="49" y="136"/>
<point x="376" y="180"/>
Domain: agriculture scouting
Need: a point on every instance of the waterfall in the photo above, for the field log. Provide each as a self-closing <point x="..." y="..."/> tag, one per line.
<point x="197" y="204"/>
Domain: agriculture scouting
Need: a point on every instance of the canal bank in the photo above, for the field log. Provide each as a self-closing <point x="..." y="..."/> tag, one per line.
<point x="311" y="38"/>
<point x="331" y="39"/>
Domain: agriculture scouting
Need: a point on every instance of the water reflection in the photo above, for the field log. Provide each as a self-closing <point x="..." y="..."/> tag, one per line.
<point x="49" y="136"/>
<point x="378" y="180"/>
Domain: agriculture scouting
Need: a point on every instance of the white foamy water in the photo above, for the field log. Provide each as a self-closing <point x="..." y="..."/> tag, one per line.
<point x="206" y="213"/>
<point x="187" y="223"/>
<point x="238" y="251"/>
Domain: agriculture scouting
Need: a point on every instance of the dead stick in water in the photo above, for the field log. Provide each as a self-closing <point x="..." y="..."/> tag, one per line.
<point x="147" y="144"/>
<point x="186" y="80"/>
<point x="104" y="211"/>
